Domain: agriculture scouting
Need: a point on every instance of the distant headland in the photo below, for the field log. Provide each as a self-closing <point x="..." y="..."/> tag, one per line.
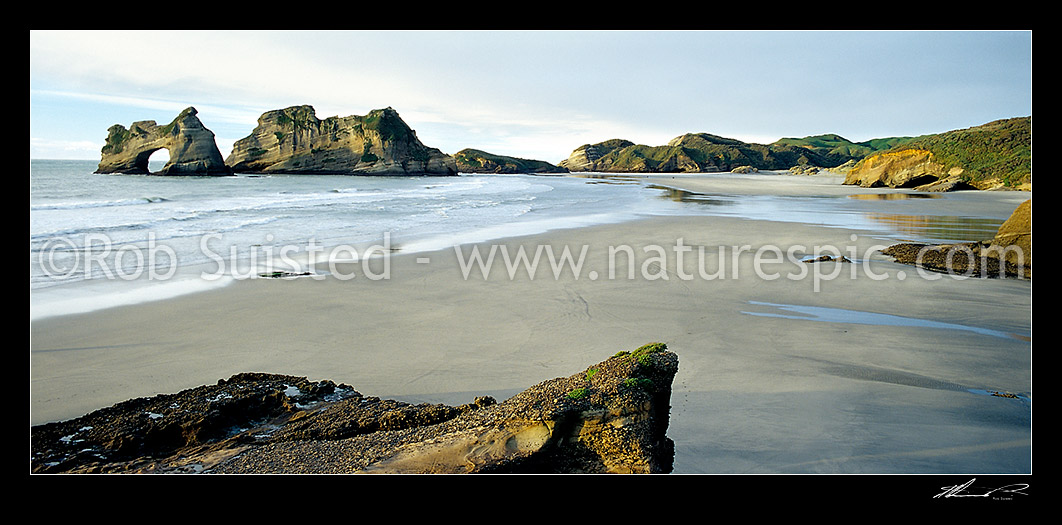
<point x="996" y="155"/>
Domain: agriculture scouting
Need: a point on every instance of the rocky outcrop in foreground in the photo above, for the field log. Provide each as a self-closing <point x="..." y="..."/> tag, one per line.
<point x="192" y="148"/>
<point x="1008" y="254"/>
<point x="610" y="418"/>
<point x="294" y="140"/>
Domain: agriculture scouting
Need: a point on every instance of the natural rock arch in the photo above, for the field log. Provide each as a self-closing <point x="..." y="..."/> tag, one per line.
<point x="190" y="144"/>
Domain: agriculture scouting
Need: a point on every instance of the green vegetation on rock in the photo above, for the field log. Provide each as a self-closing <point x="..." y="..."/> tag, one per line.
<point x="999" y="150"/>
<point x="297" y="117"/>
<point x="642" y="353"/>
<point x="993" y="154"/>
<point x="168" y="129"/>
<point x="638" y="382"/>
<point x="117" y="135"/>
<point x="577" y="393"/>
<point x="366" y="155"/>
<point x="833" y="145"/>
<point x="704" y="152"/>
<point x="192" y="148"/>
<point x="477" y="161"/>
<point x="387" y="123"/>
<point x="379" y="143"/>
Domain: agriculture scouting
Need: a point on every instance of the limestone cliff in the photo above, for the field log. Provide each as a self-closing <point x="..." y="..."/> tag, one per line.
<point x="477" y="161"/>
<point x="611" y="417"/>
<point x="294" y="140"/>
<point x="996" y="155"/>
<point x="191" y="146"/>
<point x="585" y="157"/>
<point x="898" y="169"/>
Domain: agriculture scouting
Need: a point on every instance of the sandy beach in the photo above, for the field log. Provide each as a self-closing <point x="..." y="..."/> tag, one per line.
<point x="890" y="375"/>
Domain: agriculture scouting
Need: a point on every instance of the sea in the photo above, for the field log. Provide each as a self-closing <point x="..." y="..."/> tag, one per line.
<point x="101" y="240"/>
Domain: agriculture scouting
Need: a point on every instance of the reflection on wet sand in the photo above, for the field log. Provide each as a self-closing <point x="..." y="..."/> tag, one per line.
<point x="840" y="315"/>
<point x="919" y="228"/>
<point x="939" y="228"/>
<point x="892" y="196"/>
<point x="678" y="195"/>
<point x="600" y="178"/>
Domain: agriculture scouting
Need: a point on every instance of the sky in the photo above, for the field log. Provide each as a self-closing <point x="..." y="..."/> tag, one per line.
<point x="530" y="94"/>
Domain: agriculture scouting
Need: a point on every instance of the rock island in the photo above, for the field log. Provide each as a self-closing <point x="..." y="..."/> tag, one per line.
<point x="294" y="140"/>
<point x="192" y="148"/>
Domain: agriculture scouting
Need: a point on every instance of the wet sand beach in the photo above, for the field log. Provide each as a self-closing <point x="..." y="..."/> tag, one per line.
<point x="784" y="366"/>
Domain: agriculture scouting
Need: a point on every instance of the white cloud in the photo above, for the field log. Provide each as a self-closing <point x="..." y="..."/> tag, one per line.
<point x="532" y="93"/>
<point x="43" y="148"/>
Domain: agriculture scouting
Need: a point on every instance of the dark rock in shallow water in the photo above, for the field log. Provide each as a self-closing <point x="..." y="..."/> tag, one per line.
<point x="969" y="259"/>
<point x="609" y="418"/>
<point x="828" y="258"/>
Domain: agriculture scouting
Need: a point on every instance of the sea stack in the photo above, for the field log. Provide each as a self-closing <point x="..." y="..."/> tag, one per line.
<point x="193" y="151"/>
<point x="294" y="140"/>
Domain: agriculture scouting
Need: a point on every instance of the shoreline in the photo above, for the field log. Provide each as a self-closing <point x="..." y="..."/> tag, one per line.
<point x="96" y="294"/>
<point x="758" y="390"/>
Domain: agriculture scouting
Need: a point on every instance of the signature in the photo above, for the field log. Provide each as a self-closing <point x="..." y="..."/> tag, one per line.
<point x="960" y="491"/>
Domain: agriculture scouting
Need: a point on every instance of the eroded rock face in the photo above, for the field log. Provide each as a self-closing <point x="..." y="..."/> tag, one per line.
<point x="611" y="417"/>
<point x="192" y="148"/>
<point x="912" y="168"/>
<point x="902" y="169"/>
<point x="294" y="140"/>
<point x="1014" y="237"/>
<point x="587" y="156"/>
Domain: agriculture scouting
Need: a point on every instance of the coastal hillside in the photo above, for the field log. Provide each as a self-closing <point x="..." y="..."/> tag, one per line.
<point x="836" y="145"/>
<point x="993" y="155"/>
<point x="704" y="152"/>
<point x="294" y="140"/>
<point x="477" y="161"/>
